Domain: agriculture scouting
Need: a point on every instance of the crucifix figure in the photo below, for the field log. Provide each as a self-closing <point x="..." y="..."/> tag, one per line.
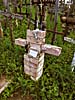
<point x="34" y="59"/>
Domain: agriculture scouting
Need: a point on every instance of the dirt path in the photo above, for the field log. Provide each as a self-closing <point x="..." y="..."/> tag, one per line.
<point x="18" y="95"/>
<point x="3" y="83"/>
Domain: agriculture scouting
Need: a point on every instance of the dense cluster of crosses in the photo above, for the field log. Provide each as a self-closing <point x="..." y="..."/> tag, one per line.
<point x="43" y="8"/>
<point x="35" y="40"/>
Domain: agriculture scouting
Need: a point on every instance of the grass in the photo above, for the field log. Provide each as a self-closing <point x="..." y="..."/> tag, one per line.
<point x="57" y="81"/>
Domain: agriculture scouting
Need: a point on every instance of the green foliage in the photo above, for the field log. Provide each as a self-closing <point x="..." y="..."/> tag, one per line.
<point x="57" y="81"/>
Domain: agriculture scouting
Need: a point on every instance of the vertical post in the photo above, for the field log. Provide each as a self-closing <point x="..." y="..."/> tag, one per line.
<point x="11" y="32"/>
<point x="26" y="7"/>
<point x="20" y="8"/>
<point x="55" y="20"/>
<point x="6" y="4"/>
<point x="44" y="14"/>
<point x="1" y="31"/>
<point x="15" y="6"/>
<point x="30" y="14"/>
<point x="67" y="15"/>
<point x="40" y="10"/>
<point x="36" y="17"/>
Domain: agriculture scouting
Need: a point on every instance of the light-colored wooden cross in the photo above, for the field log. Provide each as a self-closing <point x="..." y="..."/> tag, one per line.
<point x="34" y="59"/>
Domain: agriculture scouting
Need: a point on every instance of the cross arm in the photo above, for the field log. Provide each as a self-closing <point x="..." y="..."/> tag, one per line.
<point x="21" y="42"/>
<point x="13" y="15"/>
<point x="50" y="49"/>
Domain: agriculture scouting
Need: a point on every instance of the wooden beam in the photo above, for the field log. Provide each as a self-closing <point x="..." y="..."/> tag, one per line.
<point x="3" y="83"/>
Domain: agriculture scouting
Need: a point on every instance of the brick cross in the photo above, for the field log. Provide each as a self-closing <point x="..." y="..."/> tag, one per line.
<point x="34" y="59"/>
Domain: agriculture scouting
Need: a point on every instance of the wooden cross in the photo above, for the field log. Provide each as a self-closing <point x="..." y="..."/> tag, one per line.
<point x="34" y="59"/>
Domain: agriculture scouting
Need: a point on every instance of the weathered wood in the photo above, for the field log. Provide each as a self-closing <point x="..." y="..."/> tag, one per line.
<point x="68" y="20"/>
<point x="56" y="32"/>
<point x="11" y="32"/>
<point x="3" y="83"/>
<point x="1" y="31"/>
<point x="3" y="87"/>
<point x="11" y="15"/>
<point x="43" y="1"/>
<point x="70" y="40"/>
<point x="55" y="21"/>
